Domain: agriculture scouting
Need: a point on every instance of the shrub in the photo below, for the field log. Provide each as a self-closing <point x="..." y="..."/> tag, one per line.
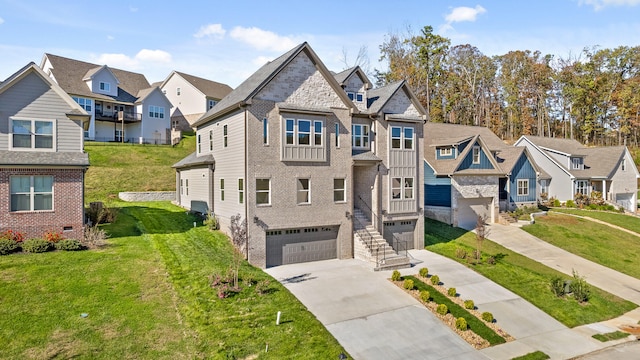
<point x="99" y="214"/>
<point x="69" y="245"/>
<point x="491" y="260"/>
<point x="435" y="279"/>
<point x="408" y="284"/>
<point x="571" y="204"/>
<point x="36" y="246"/>
<point x="7" y="246"/>
<point x="94" y="237"/>
<point x="13" y="235"/>
<point x="452" y="292"/>
<point x="53" y="236"/>
<point x="211" y="221"/>
<point x="262" y="287"/>
<point x="395" y="275"/>
<point x="442" y="309"/>
<point x="557" y="286"/>
<point x="580" y="288"/>
<point x="425" y="295"/>
<point x="556" y="203"/>
<point x="424" y="272"/>
<point x="468" y="304"/>
<point x="461" y="253"/>
<point x="461" y="324"/>
<point x="487" y="316"/>
<point x="592" y="206"/>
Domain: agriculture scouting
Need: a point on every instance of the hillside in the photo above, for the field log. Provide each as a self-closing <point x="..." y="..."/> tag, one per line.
<point x="124" y="167"/>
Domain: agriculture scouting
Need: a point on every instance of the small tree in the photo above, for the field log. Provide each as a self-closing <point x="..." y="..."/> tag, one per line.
<point x="481" y="234"/>
<point x="239" y="238"/>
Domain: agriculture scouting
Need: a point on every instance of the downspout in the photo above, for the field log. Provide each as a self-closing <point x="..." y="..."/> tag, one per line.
<point x="451" y="197"/>
<point x="246" y="182"/>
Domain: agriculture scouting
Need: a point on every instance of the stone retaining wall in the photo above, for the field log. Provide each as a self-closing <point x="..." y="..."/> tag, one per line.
<point x="148" y="196"/>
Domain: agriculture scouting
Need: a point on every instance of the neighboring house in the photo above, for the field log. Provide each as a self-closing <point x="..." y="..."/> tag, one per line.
<point x="122" y="104"/>
<point x="471" y="173"/>
<point x="42" y="162"/>
<point x="191" y="97"/>
<point x="574" y="168"/>
<point x="291" y="153"/>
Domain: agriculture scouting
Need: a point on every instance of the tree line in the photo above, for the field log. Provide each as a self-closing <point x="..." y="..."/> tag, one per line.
<point x="593" y="97"/>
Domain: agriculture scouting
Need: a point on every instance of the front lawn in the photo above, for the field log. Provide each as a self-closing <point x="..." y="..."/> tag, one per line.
<point x="147" y="296"/>
<point x="525" y="277"/>
<point x="624" y="221"/>
<point x="599" y="243"/>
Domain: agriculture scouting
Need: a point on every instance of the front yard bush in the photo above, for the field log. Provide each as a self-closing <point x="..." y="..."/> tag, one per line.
<point x="557" y="286"/>
<point x="7" y="246"/>
<point x="487" y="316"/>
<point x="408" y="284"/>
<point x="580" y="288"/>
<point x="461" y="324"/>
<point x="69" y="245"/>
<point x="425" y="295"/>
<point x="36" y="246"/>
<point x="452" y="292"/>
<point x="395" y="275"/>
<point x="469" y="304"/>
<point x="435" y="279"/>
<point x="442" y="309"/>
<point x="424" y="272"/>
<point x="16" y="236"/>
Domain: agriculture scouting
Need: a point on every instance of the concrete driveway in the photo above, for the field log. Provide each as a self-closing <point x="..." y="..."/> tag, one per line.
<point x="368" y="315"/>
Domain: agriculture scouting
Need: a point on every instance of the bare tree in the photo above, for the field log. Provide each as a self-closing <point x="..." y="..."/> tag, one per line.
<point x="362" y="60"/>
<point x="481" y="234"/>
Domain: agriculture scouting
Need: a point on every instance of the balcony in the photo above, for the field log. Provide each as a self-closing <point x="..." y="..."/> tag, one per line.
<point x="117" y="116"/>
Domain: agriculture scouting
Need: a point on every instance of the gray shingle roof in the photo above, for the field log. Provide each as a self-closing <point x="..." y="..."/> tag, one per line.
<point x="21" y="158"/>
<point x="364" y="155"/>
<point x="567" y="146"/>
<point x="69" y="74"/>
<point x="377" y="98"/>
<point x="194" y="160"/>
<point x="209" y="88"/>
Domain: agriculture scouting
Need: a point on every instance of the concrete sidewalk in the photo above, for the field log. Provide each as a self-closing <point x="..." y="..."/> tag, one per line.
<point x="518" y="240"/>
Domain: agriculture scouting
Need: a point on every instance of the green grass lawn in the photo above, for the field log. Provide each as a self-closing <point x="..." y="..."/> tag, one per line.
<point x="599" y="243"/>
<point x="624" y="221"/>
<point x="147" y="296"/>
<point x="525" y="277"/>
<point x="116" y="167"/>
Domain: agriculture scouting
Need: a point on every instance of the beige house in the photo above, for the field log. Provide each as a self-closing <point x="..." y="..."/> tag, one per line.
<point x="318" y="171"/>
<point x="191" y="97"/>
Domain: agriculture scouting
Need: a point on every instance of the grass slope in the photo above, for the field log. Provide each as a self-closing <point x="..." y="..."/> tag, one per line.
<point x="525" y="277"/>
<point x="599" y="243"/>
<point x="119" y="167"/>
<point x="148" y="297"/>
<point x="624" y="221"/>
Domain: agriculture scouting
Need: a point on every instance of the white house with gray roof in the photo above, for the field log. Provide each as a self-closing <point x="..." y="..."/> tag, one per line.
<point x="316" y="174"/>
<point x="42" y="161"/>
<point x="123" y="106"/>
<point x="574" y="168"/>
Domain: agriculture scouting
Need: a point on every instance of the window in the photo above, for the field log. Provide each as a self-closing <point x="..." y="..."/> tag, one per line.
<point x="582" y="187"/>
<point x="263" y="191"/>
<point x="199" y="144"/>
<point x="624" y="165"/>
<point x="186" y="186"/>
<point x="210" y="140"/>
<point x="359" y="97"/>
<point x="304" y="194"/>
<point x="401" y="188"/>
<point x="337" y="135"/>
<point x="84" y="103"/>
<point x="221" y="189"/>
<point x="31" y="193"/>
<point x="446" y="151"/>
<point x="178" y="91"/>
<point x="402" y="138"/>
<point x="476" y="154"/>
<point x="544" y="187"/>
<point x="118" y="135"/>
<point x="210" y="104"/>
<point x="32" y="134"/>
<point x="523" y="187"/>
<point x="396" y="137"/>
<point x="408" y="138"/>
<point x="241" y="191"/>
<point x="306" y="133"/>
<point x="181" y="186"/>
<point x="265" y="131"/>
<point x="339" y="190"/>
<point x="104" y="86"/>
<point x="156" y="112"/>
<point x="224" y="136"/>
<point x="576" y="163"/>
<point x="360" y="136"/>
<point x="351" y="95"/>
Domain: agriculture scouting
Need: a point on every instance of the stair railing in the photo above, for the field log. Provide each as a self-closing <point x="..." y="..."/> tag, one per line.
<point x="368" y="239"/>
<point x="396" y="244"/>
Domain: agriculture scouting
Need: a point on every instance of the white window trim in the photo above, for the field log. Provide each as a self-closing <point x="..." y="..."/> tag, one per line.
<point x="624" y="165"/>
<point x="225" y="136"/>
<point x="84" y="102"/>
<point x="307" y="191"/>
<point x="361" y="95"/>
<point x="211" y="103"/>
<point x="177" y="91"/>
<point x="104" y="86"/>
<point x="221" y="184"/>
<point x="199" y="141"/>
<point x="576" y="163"/>
<point x="475" y="154"/>
<point x="402" y="188"/>
<point x="33" y="142"/>
<point x="351" y="95"/>
<point x="296" y="132"/>
<point x="361" y="136"/>
<point x="585" y="187"/>
<point x="32" y="194"/>
<point x="401" y="138"/>
<point x="186" y="187"/>
<point x="448" y="151"/>
<point x="523" y="187"/>
<point x="343" y="190"/>
<point x="210" y="140"/>
<point x="241" y="197"/>
<point x="268" y="192"/>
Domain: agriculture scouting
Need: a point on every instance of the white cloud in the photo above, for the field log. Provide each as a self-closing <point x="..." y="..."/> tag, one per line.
<point x="601" y="4"/>
<point x="464" y="13"/>
<point x="262" y="39"/>
<point x="211" y="30"/>
<point x="261" y="60"/>
<point x="110" y="38"/>
<point x="143" y="57"/>
<point x="1" y="20"/>
<point x="133" y="9"/>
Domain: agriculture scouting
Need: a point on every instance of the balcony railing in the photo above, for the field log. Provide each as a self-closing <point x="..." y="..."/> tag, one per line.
<point x="118" y="116"/>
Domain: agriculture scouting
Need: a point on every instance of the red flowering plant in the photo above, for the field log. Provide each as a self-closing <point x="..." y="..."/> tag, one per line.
<point x="53" y="236"/>
<point x="16" y="236"/>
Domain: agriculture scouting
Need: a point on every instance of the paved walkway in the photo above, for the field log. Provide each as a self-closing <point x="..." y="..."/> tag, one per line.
<point x="518" y="240"/>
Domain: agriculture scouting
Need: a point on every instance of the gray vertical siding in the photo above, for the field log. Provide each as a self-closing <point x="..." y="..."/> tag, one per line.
<point x="523" y="170"/>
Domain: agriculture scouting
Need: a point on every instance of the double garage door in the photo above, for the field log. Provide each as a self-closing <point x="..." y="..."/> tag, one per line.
<point x="626" y="200"/>
<point x="290" y="246"/>
<point x="470" y="209"/>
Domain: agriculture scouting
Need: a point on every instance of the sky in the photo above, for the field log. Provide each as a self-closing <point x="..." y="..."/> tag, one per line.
<point x="226" y="41"/>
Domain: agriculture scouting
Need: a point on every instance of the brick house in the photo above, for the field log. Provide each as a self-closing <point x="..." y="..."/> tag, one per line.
<point x="321" y="165"/>
<point x="42" y="161"/>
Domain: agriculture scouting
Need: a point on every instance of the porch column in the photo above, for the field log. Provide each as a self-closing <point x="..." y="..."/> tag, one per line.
<point x="604" y="189"/>
<point x="376" y="202"/>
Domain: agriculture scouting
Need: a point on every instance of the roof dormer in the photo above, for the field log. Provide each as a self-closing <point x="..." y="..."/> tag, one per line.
<point x="101" y="80"/>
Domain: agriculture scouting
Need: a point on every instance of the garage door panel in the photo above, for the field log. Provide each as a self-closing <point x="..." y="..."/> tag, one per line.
<point x="289" y="246"/>
<point x="470" y="209"/>
<point x="403" y="231"/>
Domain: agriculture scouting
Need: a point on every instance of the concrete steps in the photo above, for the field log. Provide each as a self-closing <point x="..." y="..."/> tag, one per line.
<point x="370" y="246"/>
<point x="507" y="219"/>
